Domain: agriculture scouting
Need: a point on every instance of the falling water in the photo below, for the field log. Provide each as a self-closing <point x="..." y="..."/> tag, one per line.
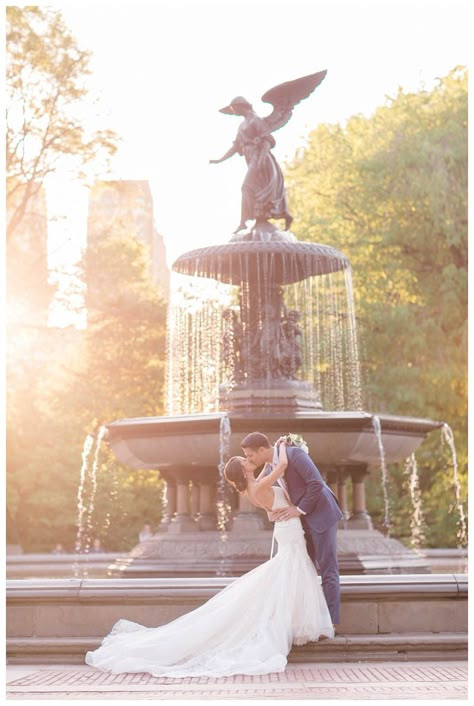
<point x="223" y="330"/>
<point x="222" y="504"/>
<point x="81" y="508"/>
<point x="417" y="538"/>
<point x="355" y="386"/>
<point x="223" y="508"/>
<point x="93" y="481"/>
<point x="378" y="433"/>
<point x="448" y="438"/>
<point x="198" y="345"/>
<point x="88" y="478"/>
<point x="113" y="496"/>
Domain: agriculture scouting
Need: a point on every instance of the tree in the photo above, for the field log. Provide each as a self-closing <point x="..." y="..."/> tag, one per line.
<point x="124" y="358"/>
<point x="76" y="381"/>
<point x="45" y="98"/>
<point x="390" y="191"/>
<point x="48" y="126"/>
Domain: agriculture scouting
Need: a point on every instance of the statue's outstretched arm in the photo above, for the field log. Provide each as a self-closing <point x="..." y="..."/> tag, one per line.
<point x="230" y="152"/>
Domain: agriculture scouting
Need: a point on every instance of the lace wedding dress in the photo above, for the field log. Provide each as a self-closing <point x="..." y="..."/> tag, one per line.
<point x="247" y="628"/>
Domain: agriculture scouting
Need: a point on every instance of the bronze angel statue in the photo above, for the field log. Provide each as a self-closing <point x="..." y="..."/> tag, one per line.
<point x="263" y="190"/>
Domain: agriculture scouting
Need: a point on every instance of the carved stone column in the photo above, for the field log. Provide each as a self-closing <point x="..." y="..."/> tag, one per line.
<point x="170" y="506"/>
<point x="342" y="492"/>
<point x="248" y="518"/>
<point x="207" y="500"/>
<point x="195" y="499"/>
<point x="359" y="519"/>
<point x="182" y="521"/>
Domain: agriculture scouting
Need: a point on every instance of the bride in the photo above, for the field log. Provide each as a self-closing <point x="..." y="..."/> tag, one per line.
<point x="249" y="626"/>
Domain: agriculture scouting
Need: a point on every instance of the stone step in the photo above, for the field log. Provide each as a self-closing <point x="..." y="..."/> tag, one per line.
<point x="343" y="648"/>
<point x="383" y="647"/>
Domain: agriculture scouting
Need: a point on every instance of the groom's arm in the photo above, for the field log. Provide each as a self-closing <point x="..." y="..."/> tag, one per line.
<point x="305" y="468"/>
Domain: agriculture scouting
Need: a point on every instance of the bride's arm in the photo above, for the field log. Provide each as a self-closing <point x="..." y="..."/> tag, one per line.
<point x="282" y="457"/>
<point x="263" y="472"/>
<point x="278" y="470"/>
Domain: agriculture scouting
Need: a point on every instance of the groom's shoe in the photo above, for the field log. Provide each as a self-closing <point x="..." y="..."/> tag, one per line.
<point x="325" y="637"/>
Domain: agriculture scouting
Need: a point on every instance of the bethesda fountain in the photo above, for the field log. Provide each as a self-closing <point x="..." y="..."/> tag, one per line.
<point x="262" y="336"/>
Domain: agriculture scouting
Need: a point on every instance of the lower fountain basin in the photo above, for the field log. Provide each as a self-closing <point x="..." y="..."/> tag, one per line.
<point x="334" y="438"/>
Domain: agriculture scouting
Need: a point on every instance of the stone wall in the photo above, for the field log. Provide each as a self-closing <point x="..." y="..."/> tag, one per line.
<point x="61" y="619"/>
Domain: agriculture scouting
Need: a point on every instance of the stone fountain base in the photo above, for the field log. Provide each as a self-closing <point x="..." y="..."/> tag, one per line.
<point x="364" y="551"/>
<point x="270" y="397"/>
<point x="368" y="551"/>
<point x="188" y="450"/>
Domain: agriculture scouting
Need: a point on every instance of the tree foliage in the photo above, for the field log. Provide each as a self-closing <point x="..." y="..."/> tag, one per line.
<point x="65" y="386"/>
<point x="46" y="95"/>
<point x="390" y="191"/>
<point x="61" y="383"/>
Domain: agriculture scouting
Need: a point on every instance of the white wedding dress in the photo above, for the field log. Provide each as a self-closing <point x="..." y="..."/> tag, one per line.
<point x="247" y="628"/>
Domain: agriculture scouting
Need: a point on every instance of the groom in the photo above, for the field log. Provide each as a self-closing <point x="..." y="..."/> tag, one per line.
<point x="314" y="502"/>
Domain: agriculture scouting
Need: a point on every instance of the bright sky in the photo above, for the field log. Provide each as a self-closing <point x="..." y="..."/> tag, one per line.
<point x="164" y="68"/>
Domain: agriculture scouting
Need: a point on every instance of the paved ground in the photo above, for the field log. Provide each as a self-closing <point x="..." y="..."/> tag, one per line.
<point x="348" y="681"/>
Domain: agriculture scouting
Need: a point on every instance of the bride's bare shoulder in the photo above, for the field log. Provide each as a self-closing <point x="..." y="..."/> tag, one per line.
<point x="263" y="497"/>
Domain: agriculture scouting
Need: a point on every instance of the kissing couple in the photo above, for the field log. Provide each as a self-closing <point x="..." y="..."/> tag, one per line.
<point x="250" y="626"/>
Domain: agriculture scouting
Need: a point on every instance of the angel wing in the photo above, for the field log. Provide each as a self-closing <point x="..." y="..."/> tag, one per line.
<point x="285" y="96"/>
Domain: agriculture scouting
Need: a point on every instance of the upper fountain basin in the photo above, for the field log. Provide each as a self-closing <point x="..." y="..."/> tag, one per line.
<point x="334" y="438"/>
<point x="247" y="261"/>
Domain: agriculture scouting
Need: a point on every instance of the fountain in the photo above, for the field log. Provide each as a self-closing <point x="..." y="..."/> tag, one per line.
<point x="262" y="336"/>
<point x="251" y="369"/>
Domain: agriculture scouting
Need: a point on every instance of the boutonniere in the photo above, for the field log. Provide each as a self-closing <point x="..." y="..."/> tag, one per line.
<point x="291" y="440"/>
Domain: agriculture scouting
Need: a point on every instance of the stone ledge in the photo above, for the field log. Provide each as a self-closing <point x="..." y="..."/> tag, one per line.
<point x="369" y="605"/>
<point x="66" y="558"/>
<point x="345" y="648"/>
<point x="376" y="648"/>
<point x="353" y="588"/>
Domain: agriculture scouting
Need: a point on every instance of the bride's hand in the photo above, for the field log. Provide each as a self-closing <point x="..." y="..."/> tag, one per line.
<point x="282" y="440"/>
<point x="281" y="446"/>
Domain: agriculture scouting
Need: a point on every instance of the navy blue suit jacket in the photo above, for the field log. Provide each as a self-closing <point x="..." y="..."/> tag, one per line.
<point x="308" y="490"/>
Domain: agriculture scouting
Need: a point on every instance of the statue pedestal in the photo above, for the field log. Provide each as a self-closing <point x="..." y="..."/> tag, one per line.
<point x="180" y="524"/>
<point x="270" y="397"/>
<point x="263" y="232"/>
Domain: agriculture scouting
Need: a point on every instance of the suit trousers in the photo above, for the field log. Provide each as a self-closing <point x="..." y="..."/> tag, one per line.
<point x="322" y="548"/>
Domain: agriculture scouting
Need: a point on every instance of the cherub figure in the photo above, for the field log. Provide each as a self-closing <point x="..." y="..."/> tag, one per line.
<point x="292" y="356"/>
<point x="263" y="189"/>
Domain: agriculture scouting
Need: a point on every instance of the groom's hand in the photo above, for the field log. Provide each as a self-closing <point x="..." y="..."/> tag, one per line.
<point x="286" y="513"/>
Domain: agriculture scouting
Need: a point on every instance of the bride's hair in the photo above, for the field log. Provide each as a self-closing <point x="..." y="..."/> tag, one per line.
<point x="234" y="473"/>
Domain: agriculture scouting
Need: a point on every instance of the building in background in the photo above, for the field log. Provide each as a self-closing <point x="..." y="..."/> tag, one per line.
<point x="126" y="207"/>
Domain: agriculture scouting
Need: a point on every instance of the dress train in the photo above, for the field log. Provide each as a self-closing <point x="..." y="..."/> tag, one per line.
<point x="247" y="628"/>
